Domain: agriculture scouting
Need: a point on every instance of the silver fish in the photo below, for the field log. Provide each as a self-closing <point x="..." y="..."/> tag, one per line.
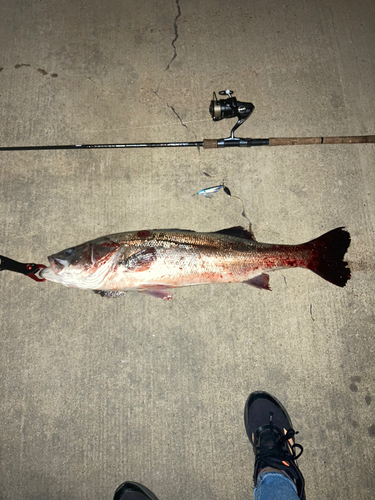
<point x="155" y="261"/>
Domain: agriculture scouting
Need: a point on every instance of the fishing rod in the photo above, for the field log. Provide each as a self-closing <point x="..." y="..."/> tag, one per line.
<point x="219" y="109"/>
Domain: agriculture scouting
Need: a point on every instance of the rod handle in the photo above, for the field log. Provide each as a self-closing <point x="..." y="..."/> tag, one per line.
<point x="300" y="141"/>
<point x="209" y="143"/>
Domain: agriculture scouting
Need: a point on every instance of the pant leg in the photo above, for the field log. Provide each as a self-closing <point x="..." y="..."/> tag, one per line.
<point x="274" y="485"/>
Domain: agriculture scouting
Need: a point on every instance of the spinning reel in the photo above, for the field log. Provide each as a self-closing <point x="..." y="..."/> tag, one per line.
<point x="230" y="108"/>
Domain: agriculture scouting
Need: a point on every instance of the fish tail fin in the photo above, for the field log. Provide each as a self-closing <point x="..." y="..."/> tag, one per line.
<point x="327" y="254"/>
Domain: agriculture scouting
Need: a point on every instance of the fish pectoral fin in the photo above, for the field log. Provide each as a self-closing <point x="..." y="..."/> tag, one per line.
<point x="159" y="291"/>
<point x="261" y="281"/>
<point x="238" y="232"/>
<point x="140" y="261"/>
<point x="109" y="294"/>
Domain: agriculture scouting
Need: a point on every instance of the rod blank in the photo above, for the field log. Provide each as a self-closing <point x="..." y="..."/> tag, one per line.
<point x="105" y="146"/>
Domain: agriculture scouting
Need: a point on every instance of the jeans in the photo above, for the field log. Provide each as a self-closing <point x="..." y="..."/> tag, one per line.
<point x="274" y="485"/>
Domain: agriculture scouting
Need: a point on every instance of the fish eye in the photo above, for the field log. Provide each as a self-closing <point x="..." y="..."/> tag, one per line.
<point x="69" y="251"/>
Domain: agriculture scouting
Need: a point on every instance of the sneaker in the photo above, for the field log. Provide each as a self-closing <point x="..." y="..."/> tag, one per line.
<point x="270" y="431"/>
<point x="133" y="491"/>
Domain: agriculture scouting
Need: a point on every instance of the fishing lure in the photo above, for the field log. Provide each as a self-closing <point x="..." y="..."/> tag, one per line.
<point x="210" y="191"/>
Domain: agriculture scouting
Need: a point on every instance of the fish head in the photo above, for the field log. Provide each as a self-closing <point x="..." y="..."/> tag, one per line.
<point x="82" y="266"/>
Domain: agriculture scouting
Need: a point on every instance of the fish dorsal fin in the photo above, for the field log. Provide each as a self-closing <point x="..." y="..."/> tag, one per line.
<point x="238" y="232"/>
<point x="174" y="229"/>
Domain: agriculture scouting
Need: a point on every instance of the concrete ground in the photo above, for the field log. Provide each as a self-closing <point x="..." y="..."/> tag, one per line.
<point x="97" y="391"/>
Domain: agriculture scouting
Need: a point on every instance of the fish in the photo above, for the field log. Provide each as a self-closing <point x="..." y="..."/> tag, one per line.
<point x="158" y="260"/>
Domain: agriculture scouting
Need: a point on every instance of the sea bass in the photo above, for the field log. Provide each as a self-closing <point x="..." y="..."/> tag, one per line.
<point x="155" y="261"/>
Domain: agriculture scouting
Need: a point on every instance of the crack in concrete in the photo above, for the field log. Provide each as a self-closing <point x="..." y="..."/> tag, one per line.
<point x="175" y="34"/>
<point x="311" y="313"/>
<point x="157" y="90"/>
<point x="178" y="116"/>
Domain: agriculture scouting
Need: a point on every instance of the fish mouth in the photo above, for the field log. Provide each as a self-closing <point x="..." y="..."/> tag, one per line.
<point x="57" y="265"/>
<point x="48" y="274"/>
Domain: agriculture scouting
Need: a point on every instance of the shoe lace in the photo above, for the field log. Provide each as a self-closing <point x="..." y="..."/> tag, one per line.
<point x="276" y="452"/>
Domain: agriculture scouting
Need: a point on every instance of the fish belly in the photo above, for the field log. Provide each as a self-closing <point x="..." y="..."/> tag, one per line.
<point x="184" y="267"/>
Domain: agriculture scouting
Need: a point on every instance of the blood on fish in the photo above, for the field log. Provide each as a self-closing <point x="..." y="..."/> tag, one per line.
<point x="143" y="234"/>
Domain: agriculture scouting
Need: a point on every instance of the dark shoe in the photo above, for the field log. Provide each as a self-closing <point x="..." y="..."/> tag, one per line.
<point x="133" y="491"/>
<point x="269" y="429"/>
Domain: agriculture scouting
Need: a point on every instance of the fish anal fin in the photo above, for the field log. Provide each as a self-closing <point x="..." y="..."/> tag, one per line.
<point x="261" y="281"/>
<point x="140" y="261"/>
<point x="159" y="291"/>
<point x="238" y="232"/>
